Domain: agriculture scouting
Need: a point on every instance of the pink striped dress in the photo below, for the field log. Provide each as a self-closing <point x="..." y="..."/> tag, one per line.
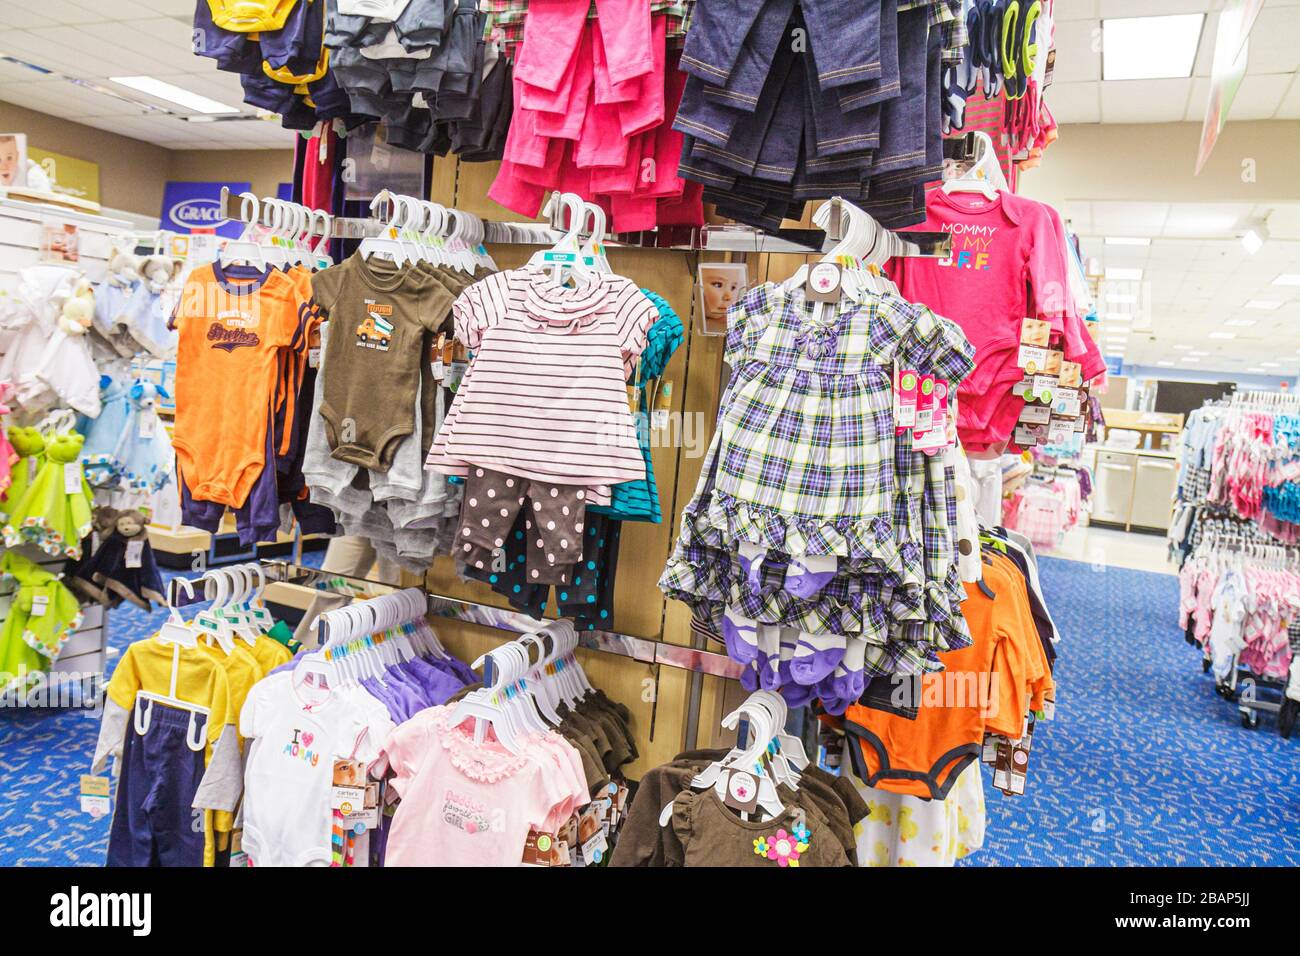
<point x="545" y="395"/>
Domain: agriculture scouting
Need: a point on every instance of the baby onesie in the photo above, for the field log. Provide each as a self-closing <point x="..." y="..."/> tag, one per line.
<point x="372" y="365"/>
<point x="231" y="332"/>
<point x="295" y="733"/>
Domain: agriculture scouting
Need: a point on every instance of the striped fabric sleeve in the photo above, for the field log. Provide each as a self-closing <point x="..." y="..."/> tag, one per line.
<point x="478" y="308"/>
<point x="634" y="315"/>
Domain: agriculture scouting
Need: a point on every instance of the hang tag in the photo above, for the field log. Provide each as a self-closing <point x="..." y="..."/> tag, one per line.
<point x="1031" y="358"/>
<point x="454" y="375"/>
<point x="824" y="280"/>
<point x="925" y="404"/>
<point x="1027" y="436"/>
<point x="940" y="420"/>
<point x="31" y="469"/>
<point x="1044" y="387"/>
<point x="591" y="834"/>
<point x="741" y="793"/>
<point x="1011" y="770"/>
<point x="439" y="370"/>
<point x="1071" y="374"/>
<point x="148" y="422"/>
<point x="72" y="478"/>
<point x="990" y="749"/>
<point x="1067" y="403"/>
<point x="40" y="605"/>
<point x="906" y="384"/>
<point x="663" y="406"/>
<point x="1035" y="332"/>
<point x="94" y="796"/>
<point x="1059" y="431"/>
<point x="1054" y="359"/>
<point x="930" y="441"/>
<point x="134" y="553"/>
<point x="541" y="849"/>
<point x="1035" y="414"/>
<point x="313" y="357"/>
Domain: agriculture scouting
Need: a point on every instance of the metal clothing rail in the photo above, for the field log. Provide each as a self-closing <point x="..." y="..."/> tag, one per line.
<point x="726" y="238"/>
<point x="501" y="619"/>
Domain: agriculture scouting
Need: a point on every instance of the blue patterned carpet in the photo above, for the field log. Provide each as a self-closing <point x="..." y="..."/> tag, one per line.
<point x="1144" y="764"/>
<point x="43" y="754"/>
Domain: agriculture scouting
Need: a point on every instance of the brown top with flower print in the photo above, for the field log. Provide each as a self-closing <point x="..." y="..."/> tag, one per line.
<point x="713" y="835"/>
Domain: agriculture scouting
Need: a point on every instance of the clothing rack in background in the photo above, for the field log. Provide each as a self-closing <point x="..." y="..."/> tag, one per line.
<point x="501" y="619"/>
<point x="729" y="238"/>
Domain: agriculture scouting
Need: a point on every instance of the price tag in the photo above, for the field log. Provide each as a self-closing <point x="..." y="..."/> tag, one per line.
<point x="72" y="478"/>
<point x="40" y="604"/>
<point x="1035" y="414"/>
<point x="313" y="357"/>
<point x="94" y="796"/>
<point x="134" y="553"/>
<point x="148" y="422"/>
<point x="906" y="385"/>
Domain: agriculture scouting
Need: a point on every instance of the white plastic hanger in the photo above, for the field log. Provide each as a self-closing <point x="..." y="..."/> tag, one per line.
<point x="564" y="259"/>
<point x="980" y="177"/>
<point x="749" y="759"/>
<point x="387" y="246"/>
<point x="177" y="633"/>
<point x="484" y="708"/>
<point x="593" y="250"/>
<point x="244" y="249"/>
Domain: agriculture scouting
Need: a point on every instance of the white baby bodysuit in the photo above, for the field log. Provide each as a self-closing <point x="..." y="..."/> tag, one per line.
<point x="295" y="731"/>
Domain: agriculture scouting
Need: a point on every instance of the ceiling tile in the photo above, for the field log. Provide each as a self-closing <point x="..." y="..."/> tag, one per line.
<point x="1259" y="96"/>
<point x="1075" y="102"/>
<point x="1144" y="101"/>
<point x="1078" y="52"/>
<point x="1272" y="40"/>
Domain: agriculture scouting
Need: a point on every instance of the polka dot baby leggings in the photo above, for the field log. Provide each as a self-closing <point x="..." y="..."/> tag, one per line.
<point x="553" y="518"/>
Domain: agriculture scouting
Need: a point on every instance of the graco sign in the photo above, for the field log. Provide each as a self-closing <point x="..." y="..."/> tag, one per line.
<point x="191" y="207"/>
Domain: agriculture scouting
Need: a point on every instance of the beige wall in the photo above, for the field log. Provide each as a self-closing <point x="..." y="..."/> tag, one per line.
<point x="132" y="172"/>
<point x="264" y="168"/>
<point x="1155" y="163"/>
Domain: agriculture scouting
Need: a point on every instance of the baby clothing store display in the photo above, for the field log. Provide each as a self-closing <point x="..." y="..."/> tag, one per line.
<point x="44" y="353"/>
<point x="296" y="728"/>
<point x="531" y="471"/>
<point x="997" y="82"/>
<point x="1237" y="608"/>
<point x="127" y="446"/>
<point x="790" y="100"/>
<point x="53" y="512"/>
<point x="167" y="721"/>
<point x="988" y="687"/>
<point x="363" y="458"/>
<point x="122" y="566"/>
<point x="41" y="616"/>
<point x="1240" y="464"/>
<point x="820" y="544"/>
<point x="821" y="816"/>
<point x="237" y="449"/>
<point x="595" y="90"/>
<point x="1009" y="262"/>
